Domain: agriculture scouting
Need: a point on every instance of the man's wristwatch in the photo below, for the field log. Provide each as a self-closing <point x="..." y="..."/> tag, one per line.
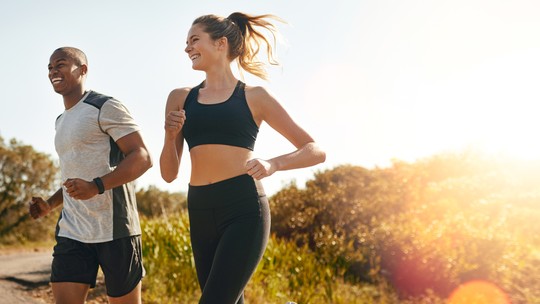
<point x="99" y="184"/>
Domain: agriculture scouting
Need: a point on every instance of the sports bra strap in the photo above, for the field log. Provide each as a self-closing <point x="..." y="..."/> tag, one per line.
<point x="239" y="89"/>
<point x="192" y="94"/>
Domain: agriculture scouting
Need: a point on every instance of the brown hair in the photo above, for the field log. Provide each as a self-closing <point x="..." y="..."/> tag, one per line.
<point x="243" y="38"/>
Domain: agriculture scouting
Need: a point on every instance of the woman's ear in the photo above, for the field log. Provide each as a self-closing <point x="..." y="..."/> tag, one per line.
<point x="223" y="43"/>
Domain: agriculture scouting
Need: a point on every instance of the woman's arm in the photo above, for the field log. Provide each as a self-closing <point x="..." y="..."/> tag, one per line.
<point x="173" y="144"/>
<point x="266" y="108"/>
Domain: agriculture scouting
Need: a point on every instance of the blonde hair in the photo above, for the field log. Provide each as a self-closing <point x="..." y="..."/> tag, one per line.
<point x="244" y="38"/>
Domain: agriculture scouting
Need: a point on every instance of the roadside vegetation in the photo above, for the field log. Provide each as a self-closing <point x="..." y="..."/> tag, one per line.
<point x="443" y="229"/>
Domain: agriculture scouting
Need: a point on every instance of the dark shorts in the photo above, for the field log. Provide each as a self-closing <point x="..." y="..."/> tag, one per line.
<point x="120" y="261"/>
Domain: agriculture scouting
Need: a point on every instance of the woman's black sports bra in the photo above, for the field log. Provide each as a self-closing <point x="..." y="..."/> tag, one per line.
<point x="229" y="122"/>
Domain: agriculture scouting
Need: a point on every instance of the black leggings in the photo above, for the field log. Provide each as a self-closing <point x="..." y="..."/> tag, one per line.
<point x="229" y="226"/>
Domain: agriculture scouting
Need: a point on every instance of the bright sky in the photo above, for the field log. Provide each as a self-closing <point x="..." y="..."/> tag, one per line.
<point x="371" y="81"/>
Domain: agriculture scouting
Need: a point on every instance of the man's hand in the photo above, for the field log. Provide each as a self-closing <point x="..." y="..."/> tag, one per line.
<point x="39" y="208"/>
<point x="80" y="189"/>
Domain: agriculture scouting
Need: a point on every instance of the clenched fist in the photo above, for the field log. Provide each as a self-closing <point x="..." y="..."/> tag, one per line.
<point x="80" y="189"/>
<point x="174" y="121"/>
<point x="39" y="208"/>
<point x="259" y="168"/>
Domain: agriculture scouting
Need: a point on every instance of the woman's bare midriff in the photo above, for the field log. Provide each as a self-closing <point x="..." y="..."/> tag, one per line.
<point x="213" y="163"/>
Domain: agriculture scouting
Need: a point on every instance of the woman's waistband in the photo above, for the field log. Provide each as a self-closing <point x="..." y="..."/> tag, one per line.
<point x="224" y="192"/>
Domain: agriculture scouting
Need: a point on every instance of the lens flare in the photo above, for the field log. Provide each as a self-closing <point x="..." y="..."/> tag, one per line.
<point x="478" y="292"/>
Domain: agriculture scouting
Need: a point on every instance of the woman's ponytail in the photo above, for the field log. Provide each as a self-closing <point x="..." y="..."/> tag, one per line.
<point x="243" y="33"/>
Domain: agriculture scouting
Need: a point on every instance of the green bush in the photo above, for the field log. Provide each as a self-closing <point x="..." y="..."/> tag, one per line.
<point x="286" y="272"/>
<point x="425" y="228"/>
<point x="408" y="233"/>
<point x="171" y="276"/>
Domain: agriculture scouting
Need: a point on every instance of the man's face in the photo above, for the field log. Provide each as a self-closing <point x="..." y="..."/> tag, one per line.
<point x="64" y="73"/>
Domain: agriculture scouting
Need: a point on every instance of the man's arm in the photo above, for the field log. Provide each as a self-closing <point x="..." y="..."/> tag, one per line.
<point x="39" y="207"/>
<point x="137" y="161"/>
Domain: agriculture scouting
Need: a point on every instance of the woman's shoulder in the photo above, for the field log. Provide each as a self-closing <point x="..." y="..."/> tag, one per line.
<point x="257" y="92"/>
<point x="177" y="97"/>
<point x="260" y="101"/>
<point x="182" y="92"/>
<point x="178" y="92"/>
<point x="255" y="89"/>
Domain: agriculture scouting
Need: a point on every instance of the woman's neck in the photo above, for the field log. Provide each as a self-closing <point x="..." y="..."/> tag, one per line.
<point x="220" y="80"/>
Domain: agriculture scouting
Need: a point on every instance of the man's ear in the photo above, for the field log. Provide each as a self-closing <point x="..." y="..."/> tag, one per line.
<point x="84" y="69"/>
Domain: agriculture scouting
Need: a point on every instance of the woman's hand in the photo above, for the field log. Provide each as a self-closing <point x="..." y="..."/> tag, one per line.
<point x="174" y="121"/>
<point x="259" y="168"/>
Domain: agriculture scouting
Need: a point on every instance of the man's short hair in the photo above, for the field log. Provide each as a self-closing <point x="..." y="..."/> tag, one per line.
<point x="77" y="55"/>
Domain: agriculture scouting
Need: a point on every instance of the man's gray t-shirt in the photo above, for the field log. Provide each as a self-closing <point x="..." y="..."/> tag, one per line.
<point x="85" y="141"/>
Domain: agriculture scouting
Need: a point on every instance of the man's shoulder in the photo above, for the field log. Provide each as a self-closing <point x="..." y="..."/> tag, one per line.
<point x="97" y="99"/>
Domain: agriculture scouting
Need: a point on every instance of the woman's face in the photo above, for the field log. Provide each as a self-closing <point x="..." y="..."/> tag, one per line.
<point x="202" y="50"/>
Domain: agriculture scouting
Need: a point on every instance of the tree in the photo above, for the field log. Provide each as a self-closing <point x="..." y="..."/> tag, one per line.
<point x="152" y="202"/>
<point x="24" y="173"/>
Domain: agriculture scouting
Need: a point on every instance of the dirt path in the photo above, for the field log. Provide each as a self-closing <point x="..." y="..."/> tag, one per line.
<point x="24" y="278"/>
<point x="22" y="275"/>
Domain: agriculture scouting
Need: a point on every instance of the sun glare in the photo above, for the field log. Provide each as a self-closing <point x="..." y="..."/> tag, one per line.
<point x="478" y="292"/>
<point x="514" y="136"/>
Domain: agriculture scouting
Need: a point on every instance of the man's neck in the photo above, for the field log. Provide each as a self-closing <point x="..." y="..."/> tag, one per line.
<point x="72" y="98"/>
